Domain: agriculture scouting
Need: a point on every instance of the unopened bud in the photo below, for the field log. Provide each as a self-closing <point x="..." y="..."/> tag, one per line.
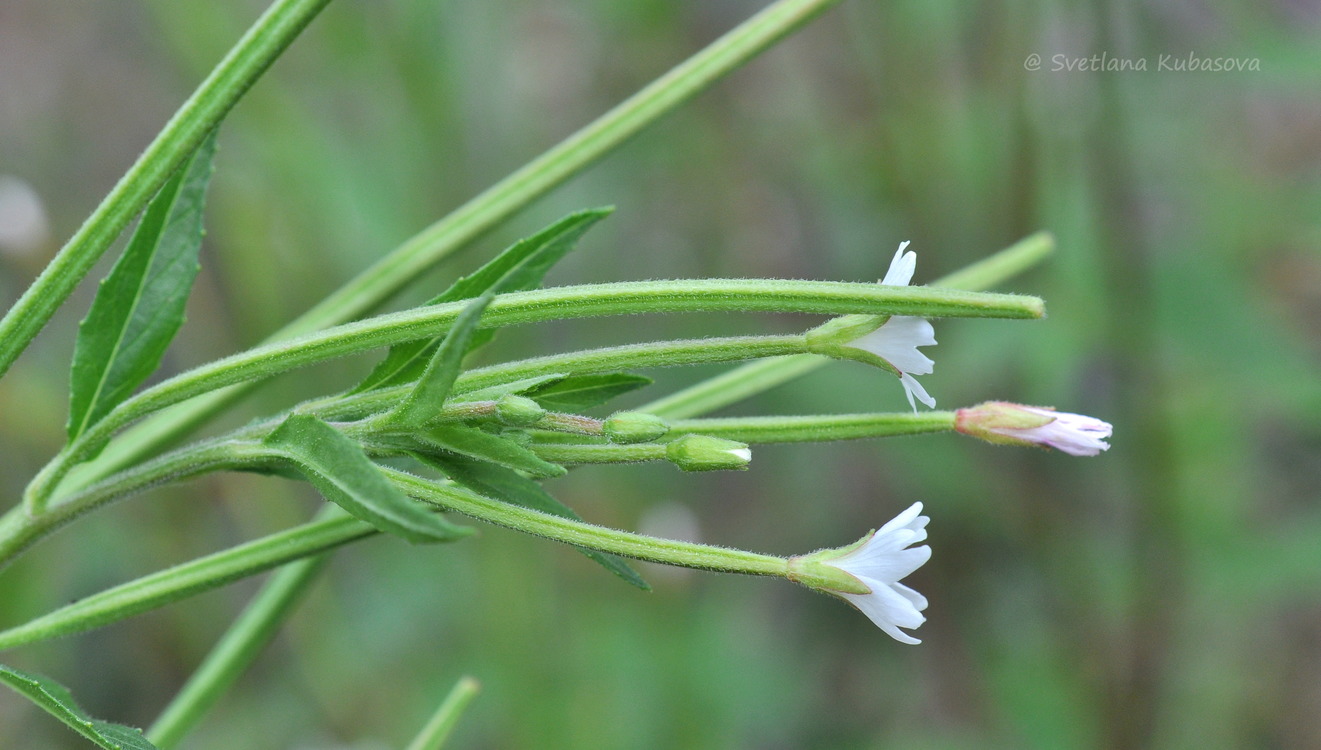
<point x="704" y="453"/>
<point x="634" y="427"/>
<point x="1014" y="424"/>
<point x="518" y="411"/>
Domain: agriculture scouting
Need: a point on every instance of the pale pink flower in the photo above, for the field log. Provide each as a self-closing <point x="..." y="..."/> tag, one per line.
<point x="1002" y="422"/>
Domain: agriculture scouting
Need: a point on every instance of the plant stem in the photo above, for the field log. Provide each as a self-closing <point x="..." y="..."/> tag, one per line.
<point x="581" y="534"/>
<point x="211" y="571"/>
<point x="438" y="729"/>
<point x="656" y="354"/>
<point x="600" y="453"/>
<point x="202" y="112"/>
<point x="630" y="356"/>
<point x="239" y="646"/>
<point x="814" y="429"/>
<point x="497" y="203"/>
<point x="196" y="576"/>
<point x="753" y="378"/>
<point x="19" y="530"/>
<point x="706" y="295"/>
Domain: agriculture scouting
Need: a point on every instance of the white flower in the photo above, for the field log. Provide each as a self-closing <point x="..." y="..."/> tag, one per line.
<point x="880" y="562"/>
<point x="897" y="340"/>
<point x="1002" y="422"/>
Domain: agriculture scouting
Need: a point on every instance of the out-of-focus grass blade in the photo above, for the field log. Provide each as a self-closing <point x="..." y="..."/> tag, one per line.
<point x="510" y="486"/>
<point x="341" y="471"/>
<point x="140" y="305"/>
<point x="56" y="700"/>
<point x="438" y="729"/>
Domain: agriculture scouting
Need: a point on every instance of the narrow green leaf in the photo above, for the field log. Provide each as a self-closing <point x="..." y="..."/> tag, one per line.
<point x="56" y="700"/>
<point x="140" y="305"/>
<point x="405" y="362"/>
<point x="427" y="398"/>
<point x="527" y="260"/>
<point x="494" y="392"/>
<point x="512" y="487"/>
<point x="484" y="446"/>
<point x="341" y="471"/>
<point x="579" y="392"/>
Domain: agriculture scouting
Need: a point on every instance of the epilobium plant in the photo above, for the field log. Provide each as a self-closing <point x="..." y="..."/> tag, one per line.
<point x="425" y="440"/>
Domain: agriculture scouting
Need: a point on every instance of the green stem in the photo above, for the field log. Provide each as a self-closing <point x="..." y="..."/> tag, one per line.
<point x="441" y="725"/>
<point x="202" y="112"/>
<point x="587" y="362"/>
<point x="239" y="646"/>
<point x="600" y="453"/>
<point x="805" y="429"/>
<point x="194" y="577"/>
<point x="203" y="574"/>
<point x="753" y="378"/>
<point x="704" y="295"/>
<point x="816" y="428"/>
<point x="742" y="382"/>
<point x="19" y="530"/>
<point x="502" y="200"/>
<point x="581" y="534"/>
<point x="632" y="356"/>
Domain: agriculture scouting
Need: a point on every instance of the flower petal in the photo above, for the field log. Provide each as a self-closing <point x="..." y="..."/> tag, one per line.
<point x="901" y="268"/>
<point x="915" y="389"/>
<point x="896" y="342"/>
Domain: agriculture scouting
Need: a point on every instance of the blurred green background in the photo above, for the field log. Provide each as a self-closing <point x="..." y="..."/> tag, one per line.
<point x="1162" y="595"/>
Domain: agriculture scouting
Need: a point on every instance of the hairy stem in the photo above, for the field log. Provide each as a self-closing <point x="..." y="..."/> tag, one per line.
<point x="753" y="378"/>
<point x="496" y="204"/>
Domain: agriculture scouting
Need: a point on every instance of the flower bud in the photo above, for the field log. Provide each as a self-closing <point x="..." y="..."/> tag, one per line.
<point x="1014" y="424"/>
<point x="704" y="453"/>
<point x="518" y="411"/>
<point x="634" y="427"/>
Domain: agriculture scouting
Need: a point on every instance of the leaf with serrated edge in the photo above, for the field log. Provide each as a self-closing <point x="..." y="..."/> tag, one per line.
<point x="512" y="487"/>
<point x="342" y="473"/>
<point x="405" y="362"/>
<point x="58" y="702"/>
<point x="140" y="306"/>
<point x="579" y="392"/>
<point x="469" y="441"/>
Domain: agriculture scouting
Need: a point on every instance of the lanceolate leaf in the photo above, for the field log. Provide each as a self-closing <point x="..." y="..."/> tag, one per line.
<point x="405" y="362"/>
<point x="140" y="305"/>
<point x="341" y="471"/>
<point x="579" y="392"/>
<point x="504" y="389"/>
<point x="512" y="487"/>
<point x="469" y="441"/>
<point x="427" y="398"/>
<point x="57" y="701"/>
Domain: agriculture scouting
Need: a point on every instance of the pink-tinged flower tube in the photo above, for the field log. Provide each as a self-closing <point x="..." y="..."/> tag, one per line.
<point x="874" y="565"/>
<point x="897" y="340"/>
<point x="1015" y="424"/>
